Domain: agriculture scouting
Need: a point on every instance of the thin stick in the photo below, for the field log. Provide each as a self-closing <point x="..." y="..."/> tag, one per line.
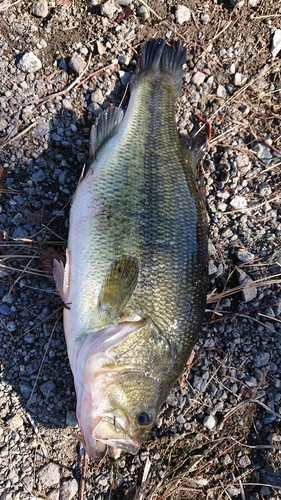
<point x="83" y="477"/>
<point x="250" y="401"/>
<point x="15" y="137"/>
<point x="5" y="7"/>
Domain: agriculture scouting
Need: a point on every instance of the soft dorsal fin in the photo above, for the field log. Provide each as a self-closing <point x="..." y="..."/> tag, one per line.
<point x="106" y="126"/>
<point x="194" y="148"/>
<point x="119" y="285"/>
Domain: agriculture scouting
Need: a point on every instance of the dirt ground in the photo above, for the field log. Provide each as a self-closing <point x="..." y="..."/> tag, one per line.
<point x="218" y="436"/>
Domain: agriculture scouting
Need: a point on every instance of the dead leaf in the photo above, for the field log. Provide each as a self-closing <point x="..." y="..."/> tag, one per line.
<point x="36" y="218"/>
<point x="63" y="2"/>
<point x="125" y="14"/>
<point x="47" y="258"/>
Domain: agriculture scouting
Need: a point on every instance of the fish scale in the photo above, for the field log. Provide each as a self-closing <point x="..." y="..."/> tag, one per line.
<point x="136" y="274"/>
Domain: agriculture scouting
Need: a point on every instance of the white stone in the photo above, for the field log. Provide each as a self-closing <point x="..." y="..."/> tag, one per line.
<point x="182" y="14"/>
<point x="40" y="8"/>
<point x="244" y="255"/>
<point x="221" y="91"/>
<point x="15" y="422"/>
<point x="108" y="9"/>
<point x="238" y="202"/>
<point x="29" y="63"/>
<point x="253" y="3"/>
<point x="239" y="79"/>
<point x="198" y="78"/>
<point x="77" y="63"/>
<point x="276" y="43"/>
<point x="210" y="422"/>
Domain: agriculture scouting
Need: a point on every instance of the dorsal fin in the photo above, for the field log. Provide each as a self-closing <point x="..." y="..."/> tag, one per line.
<point x="119" y="285"/>
<point x="106" y="126"/>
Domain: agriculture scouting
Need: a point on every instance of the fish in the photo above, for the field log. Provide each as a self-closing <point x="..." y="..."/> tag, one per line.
<point x="135" y="279"/>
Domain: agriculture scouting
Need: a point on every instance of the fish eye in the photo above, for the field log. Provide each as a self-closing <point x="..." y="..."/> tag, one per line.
<point x="144" y="418"/>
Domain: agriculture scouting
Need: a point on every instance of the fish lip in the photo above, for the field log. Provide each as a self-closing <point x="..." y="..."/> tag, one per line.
<point x="128" y="445"/>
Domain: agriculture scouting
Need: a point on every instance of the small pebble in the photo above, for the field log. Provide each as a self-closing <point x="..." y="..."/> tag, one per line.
<point x="262" y="151"/>
<point x="143" y="13"/>
<point x="109" y="9"/>
<point x="244" y="255"/>
<point x="182" y="14"/>
<point x="29" y="63"/>
<point x="261" y="359"/>
<point x="198" y="78"/>
<point x="239" y="79"/>
<point x="40" y="8"/>
<point x="210" y="422"/>
<point x="244" y="461"/>
<point x="249" y="291"/>
<point x="238" y="202"/>
<point x="77" y="63"/>
<point x="47" y="388"/>
<point x="49" y="475"/>
<point x="15" y="422"/>
<point x="276" y="43"/>
<point x="68" y="489"/>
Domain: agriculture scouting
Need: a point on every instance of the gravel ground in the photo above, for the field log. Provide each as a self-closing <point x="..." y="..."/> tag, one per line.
<point x="62" y="62"/>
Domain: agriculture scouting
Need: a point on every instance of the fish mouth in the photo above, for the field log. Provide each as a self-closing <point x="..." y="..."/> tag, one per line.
<point x="128" y="445"/>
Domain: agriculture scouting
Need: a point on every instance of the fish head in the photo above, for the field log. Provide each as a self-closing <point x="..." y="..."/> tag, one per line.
<point x="128" y="411"/>
<point x="122" y="387"/>
<point x="118" y="412"/>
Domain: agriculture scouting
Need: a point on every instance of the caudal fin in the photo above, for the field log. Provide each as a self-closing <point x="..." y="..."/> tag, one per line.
<point x="163" y="57"/>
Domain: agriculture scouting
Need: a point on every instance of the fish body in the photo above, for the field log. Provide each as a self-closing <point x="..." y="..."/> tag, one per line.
<point x="135" y="279"/>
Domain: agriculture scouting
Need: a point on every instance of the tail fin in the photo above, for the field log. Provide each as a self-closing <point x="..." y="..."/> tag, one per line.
<point x="163" y="57"/>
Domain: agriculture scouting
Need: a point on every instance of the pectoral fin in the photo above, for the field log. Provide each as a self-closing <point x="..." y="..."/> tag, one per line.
<point x="61" y="276"/>
<point x="119" y="285"/>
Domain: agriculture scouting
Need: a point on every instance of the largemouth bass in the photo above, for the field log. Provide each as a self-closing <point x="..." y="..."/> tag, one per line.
<point x="134" y="283"/>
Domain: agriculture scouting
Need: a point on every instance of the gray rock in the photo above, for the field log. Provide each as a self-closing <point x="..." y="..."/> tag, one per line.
<point x="249" y="291"/>
<point x="40" y="8"/>
<point x="239" y="79"/>
<point x="124" y="2"/>
<point x="54" y="495"/>
<point x="182" y="14"/>
<point x="39" y="175"/>
<point x="4" y="309"/>
<point x="56" y="137"/>
<point x="25" y="389"/>
<point x="97" y="97"/>
<point x="47" y="388"/>
<point x="233" y="491"/>
<point x="261" y="359"/>
<point x="77" y="63"/>
<point x="11" y="326"/>
<point x="212" y="268"/>
<point x="265" y="491"/>
<point x="250" y="381"/>
<point x="71" y="419"/>
<point x="124" y="77"/>
<point x="204" y="17"/>
<point x="49" y="475"/>
<point x="262" y="151"/>
<point x="210" y="422"/>
<point x="29" y="63"/>
<point x="265" y="189"/>
<point x="109" y="9"/>
<point x="15" y="422"/>
<point x="244" y="461"/>
<point x="238" y="202"/>
<point x="221" y="91"/>
<point x="198" y="78"/>
<point x="276" y="43"/>
<point x="3" y="125"/>
<point x="41" y="129"/>
<point x="143" y="13"/>
<point x="68" y="489"/>
<point x="244" y="255"/>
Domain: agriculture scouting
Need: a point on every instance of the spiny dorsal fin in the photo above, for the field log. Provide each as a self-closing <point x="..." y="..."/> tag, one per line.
<point x="194" y="148"/>
<point x="119" y="285"/>
<point x="106" y="127"/>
